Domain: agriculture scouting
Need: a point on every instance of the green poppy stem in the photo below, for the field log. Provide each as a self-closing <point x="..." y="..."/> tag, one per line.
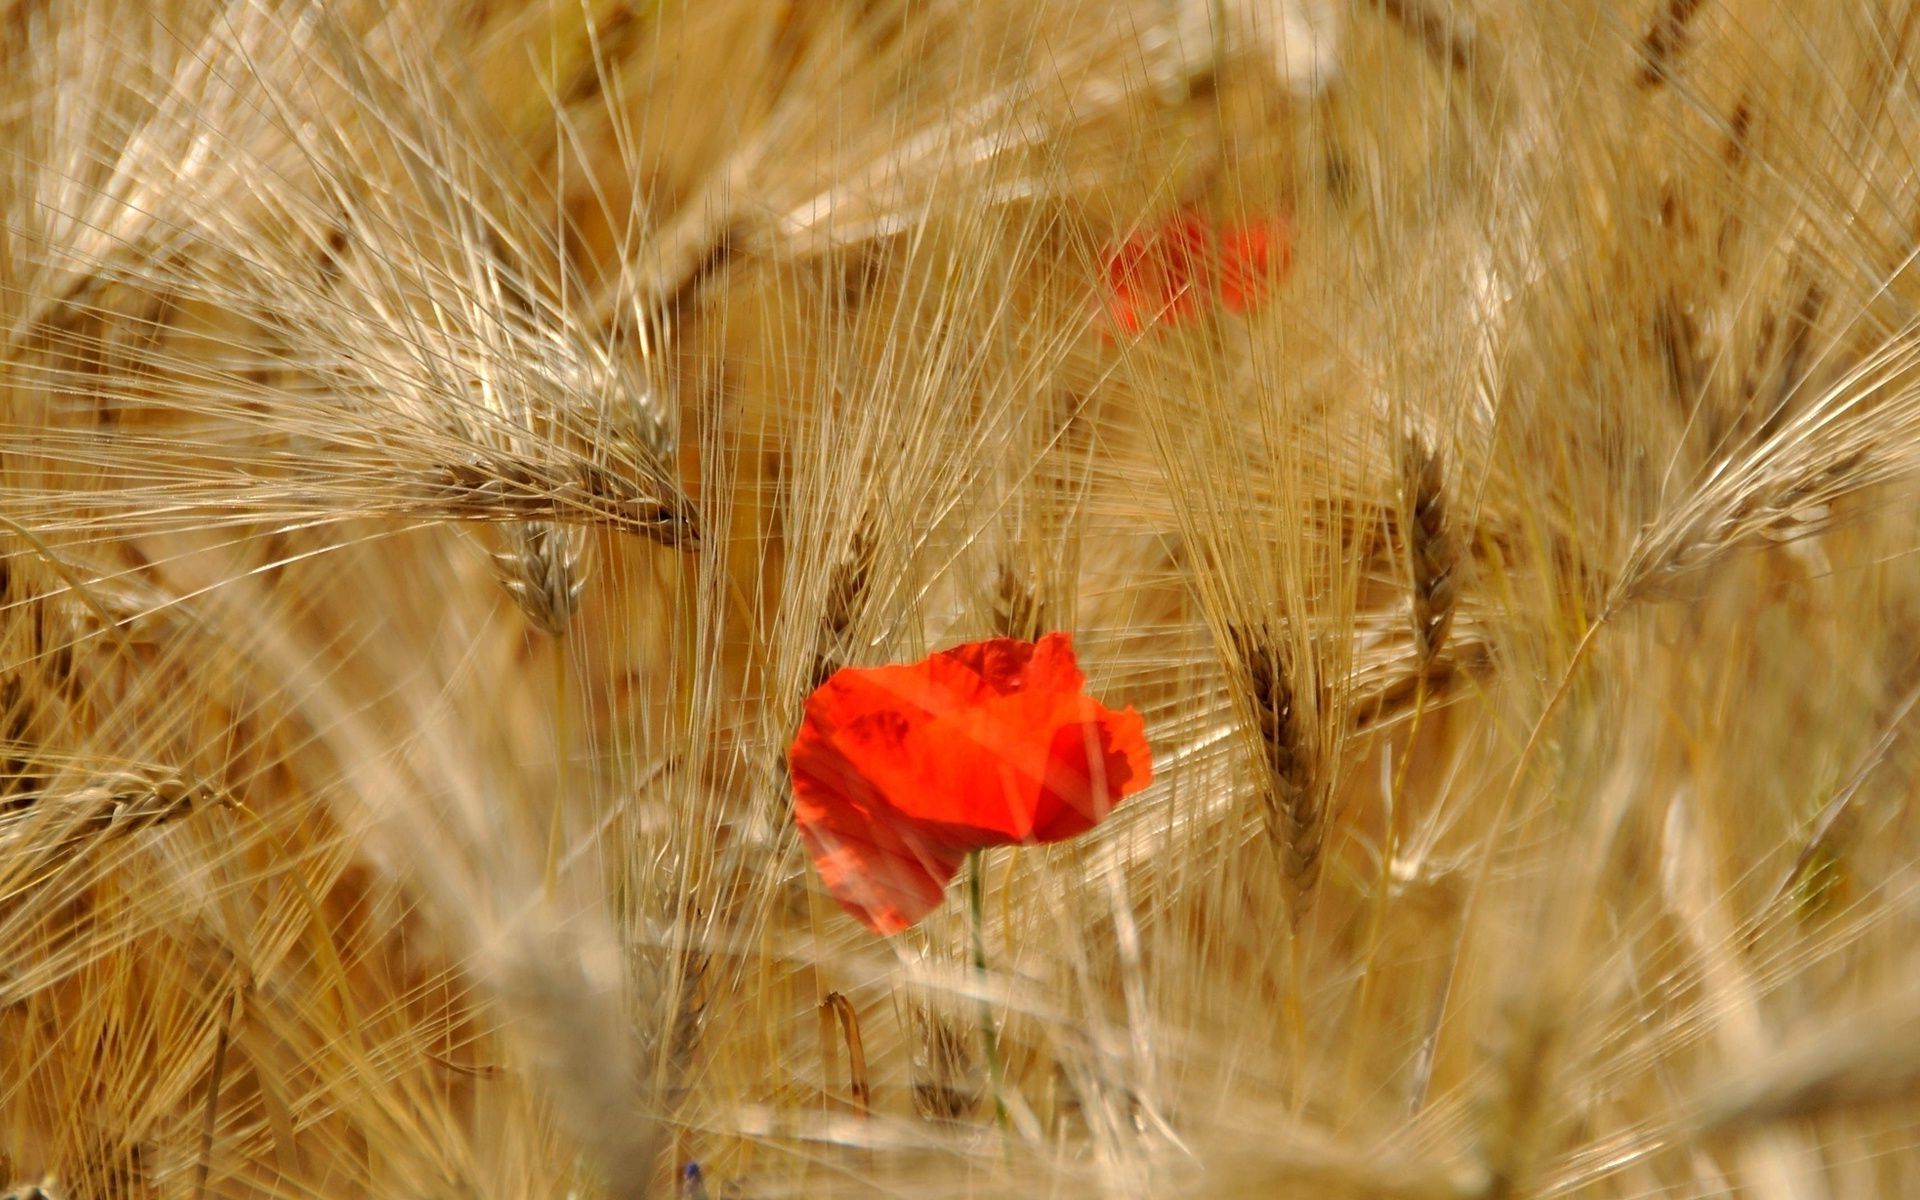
<point x="989" y="1036"/>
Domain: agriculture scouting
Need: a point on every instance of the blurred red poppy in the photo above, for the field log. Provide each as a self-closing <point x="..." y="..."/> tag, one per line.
<point x="899" y="772"/>
<point x="1157" y="274"/>
<point x="1174" y="272"/>
<point x="1252" y="254"/>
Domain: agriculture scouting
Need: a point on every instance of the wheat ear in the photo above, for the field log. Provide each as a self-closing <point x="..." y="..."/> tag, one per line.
<point x="946" y="1080"/>
<point x="543" y="570"/>
<point x="1296" y="809"/>
<point x="1665" y="40"/>
<point x="1430" y="547"/>
<point x="63" y="823"/>
<point x="1017" y="611"/>
<point x="846" y="589"/>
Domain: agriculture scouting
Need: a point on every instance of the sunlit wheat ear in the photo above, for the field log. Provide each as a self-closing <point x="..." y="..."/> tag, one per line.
<point x="847" y="585"/>
<point x="543" y="569"/>
<point x="1287" y="753"/>
<point x="947" y="1082"/>
<point x="1430" y="547"/>
<point x="1857" y="433"/>
<point x="380" y="322"/>
<point x="71" y="819"/>
<point x="1017" y="608"/>
<point x="1665" y="40"/>
<point x="479" y="312"/>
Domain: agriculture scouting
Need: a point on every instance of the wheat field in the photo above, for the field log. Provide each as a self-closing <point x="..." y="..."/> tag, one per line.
<point x="443" y="445"/>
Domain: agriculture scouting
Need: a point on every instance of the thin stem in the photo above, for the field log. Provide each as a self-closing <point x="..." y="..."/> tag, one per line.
<point x="557" y="826"/>
<point x="203" y="1168"/>
<point x="989" y="1036"/>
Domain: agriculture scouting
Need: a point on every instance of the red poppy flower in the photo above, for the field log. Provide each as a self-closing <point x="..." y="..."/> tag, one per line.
<point x="899" y="772"/>
<point x="1157" y="274"/>
<point x="1252" y="254"/>
<point x="1176" y="271"/>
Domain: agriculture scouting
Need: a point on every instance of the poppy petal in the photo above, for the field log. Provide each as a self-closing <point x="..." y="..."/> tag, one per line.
<point x="1091" y="764"/>
<point x="1123" y="299"/>
<point x="885" y="878"/>
<point x="1184" y="246"/>
<point x="1252" y="254"/>
<point x="1009" y="665"/>
<point x="1159" y="274"/>
<point x="1173" y="272"/>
